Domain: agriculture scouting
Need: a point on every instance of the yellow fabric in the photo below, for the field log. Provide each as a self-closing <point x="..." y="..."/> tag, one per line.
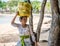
<point x="22" y="39"/>
<point x="24" y="9"/>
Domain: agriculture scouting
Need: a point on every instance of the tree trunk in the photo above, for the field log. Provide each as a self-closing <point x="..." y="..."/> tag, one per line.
<point x="31" y="19"/>
<point x="41" y="19"/>
<point x="54" y="34"/>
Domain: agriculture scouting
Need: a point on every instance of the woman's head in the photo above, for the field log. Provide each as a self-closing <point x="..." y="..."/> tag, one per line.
<point x="23" y="19"/>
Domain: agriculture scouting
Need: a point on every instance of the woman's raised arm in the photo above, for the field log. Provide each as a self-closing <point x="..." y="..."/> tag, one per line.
<point x="13" y="20"/>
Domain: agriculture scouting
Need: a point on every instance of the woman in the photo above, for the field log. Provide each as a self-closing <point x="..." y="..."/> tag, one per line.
<point x="24" y="31"/>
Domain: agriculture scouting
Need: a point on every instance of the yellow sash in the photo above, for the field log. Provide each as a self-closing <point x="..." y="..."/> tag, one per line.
<point x="22" y="39"/>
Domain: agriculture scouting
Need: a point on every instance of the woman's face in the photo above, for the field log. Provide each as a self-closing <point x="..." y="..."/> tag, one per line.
<point x="24" y="20"/>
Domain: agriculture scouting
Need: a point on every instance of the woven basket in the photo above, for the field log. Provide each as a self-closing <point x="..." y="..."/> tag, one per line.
<point x="24" y="9"/>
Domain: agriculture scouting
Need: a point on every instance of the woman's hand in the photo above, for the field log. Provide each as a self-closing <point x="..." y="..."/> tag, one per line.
<point x="17" y="13"/>
<point x="36" y="44"/>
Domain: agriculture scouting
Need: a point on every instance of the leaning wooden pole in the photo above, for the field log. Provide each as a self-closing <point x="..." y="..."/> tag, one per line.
<point x="41" y="19"/>
<point x="31" y="19"/>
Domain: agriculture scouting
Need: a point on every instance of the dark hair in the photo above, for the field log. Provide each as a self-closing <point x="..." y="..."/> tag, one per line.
<point x="20" y="18"/>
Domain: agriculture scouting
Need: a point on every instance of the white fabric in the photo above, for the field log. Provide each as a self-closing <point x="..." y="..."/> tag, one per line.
<point x="23" y="31"/>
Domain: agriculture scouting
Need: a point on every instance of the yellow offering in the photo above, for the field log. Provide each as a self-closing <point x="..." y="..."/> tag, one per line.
<point x="24" y="9"/>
